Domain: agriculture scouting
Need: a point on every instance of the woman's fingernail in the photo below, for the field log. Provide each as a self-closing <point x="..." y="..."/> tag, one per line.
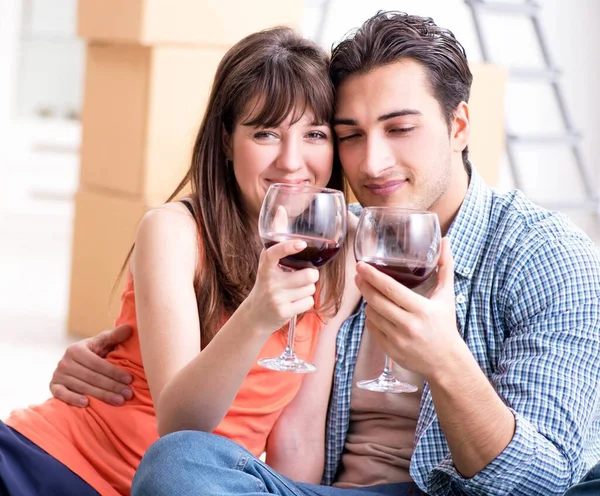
<point x="117" y="400"/>
<point x="83" y="402"/>
<point x="127" y="393"/>
<point x="300" y="245"/>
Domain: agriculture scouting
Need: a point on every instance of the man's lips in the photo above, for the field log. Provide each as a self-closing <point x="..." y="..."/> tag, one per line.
<point x="386" y="188"/>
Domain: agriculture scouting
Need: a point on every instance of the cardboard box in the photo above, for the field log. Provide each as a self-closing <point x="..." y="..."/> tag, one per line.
<point x="104" y="232"/>
<point x="142" y="110"/>
<point x="212" y="22"/>
<point x="486" y="105"/>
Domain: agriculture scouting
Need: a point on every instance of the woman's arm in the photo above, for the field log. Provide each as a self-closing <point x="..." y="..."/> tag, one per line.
<point x="192" y="389"/>
<point x="296" y="445"/>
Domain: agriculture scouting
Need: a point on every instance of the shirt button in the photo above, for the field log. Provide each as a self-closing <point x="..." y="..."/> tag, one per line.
<point x="460" y="299"/>
<point x="467" y="272"/>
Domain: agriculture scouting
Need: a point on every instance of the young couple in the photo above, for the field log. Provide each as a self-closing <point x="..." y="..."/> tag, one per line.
<point x="504" y="347"/>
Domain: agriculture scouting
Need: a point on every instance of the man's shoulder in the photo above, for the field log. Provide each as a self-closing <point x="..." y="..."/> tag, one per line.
<point x="532" y="246"/>
<point x="523" y="225"/>
<point x="355" y="208"/>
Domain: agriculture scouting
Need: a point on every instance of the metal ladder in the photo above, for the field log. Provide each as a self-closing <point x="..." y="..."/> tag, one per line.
<point x="551" y="75"/>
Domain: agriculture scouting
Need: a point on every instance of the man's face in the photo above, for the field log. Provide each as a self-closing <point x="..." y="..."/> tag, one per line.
<point x="394" y="143"/>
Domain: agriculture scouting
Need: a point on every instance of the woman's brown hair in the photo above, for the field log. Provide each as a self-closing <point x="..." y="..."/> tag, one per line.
<point x="286" y="75"/>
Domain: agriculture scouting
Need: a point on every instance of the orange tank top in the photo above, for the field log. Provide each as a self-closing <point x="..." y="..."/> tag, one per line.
<point x="104" y="444"/>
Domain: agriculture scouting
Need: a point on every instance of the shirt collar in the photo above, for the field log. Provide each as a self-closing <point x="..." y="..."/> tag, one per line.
<point x="468" y="230"/>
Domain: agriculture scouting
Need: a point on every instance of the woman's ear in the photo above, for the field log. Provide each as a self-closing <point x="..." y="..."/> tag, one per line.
<point x="227" y="145"/>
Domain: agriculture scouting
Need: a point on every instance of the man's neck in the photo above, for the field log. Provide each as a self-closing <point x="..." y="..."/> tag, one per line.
<point x="450" y="202"/>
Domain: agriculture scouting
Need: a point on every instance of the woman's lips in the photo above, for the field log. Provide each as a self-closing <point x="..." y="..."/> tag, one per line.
<point x="287" y="181"/>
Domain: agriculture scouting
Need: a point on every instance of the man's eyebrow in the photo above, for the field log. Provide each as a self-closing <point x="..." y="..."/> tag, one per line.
<point x="398" y="113"/>
<point x="344" y="121"/>
<point x="391" y="115"/>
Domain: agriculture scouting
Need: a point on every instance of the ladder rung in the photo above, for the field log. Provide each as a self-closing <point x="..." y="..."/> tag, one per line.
<point x="529" y="9"/>
<point x="524" y="74"/>
<point x="548" y="139"/>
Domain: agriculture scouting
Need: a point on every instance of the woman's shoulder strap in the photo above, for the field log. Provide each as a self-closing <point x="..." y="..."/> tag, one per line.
<point x="188" y="203"/>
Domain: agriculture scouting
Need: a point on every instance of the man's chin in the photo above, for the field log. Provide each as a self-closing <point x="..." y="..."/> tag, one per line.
<point x="370" y="200"/>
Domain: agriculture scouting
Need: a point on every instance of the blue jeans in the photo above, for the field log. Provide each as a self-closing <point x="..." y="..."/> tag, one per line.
<point x="589" y="485"/>
<point x="196" y="463"/>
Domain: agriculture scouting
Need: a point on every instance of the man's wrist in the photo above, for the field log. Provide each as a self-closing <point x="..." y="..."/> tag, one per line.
<point x="458" y="361"/>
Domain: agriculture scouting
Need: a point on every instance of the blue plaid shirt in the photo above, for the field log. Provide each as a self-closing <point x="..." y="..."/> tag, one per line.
<point x="527" y="286"/>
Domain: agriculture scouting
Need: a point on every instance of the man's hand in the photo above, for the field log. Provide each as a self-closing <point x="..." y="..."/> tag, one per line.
<point x="415" y="331"/>
<point x="83" y="370"/>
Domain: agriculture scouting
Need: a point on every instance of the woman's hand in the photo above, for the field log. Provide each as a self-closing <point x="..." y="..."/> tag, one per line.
<point x="83" y="371"/>
<point x="279" y="294"/>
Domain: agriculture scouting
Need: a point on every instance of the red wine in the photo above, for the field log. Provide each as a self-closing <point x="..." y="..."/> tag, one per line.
<point x="410" y="274"/>
<point x="316" y="254"/>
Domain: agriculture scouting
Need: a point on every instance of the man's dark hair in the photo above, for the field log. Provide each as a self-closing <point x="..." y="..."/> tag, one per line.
<point x="388" y="37"/>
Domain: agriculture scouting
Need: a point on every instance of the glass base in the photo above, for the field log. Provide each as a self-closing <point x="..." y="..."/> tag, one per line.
<point x="386" y="385"/>
<point x="285" y="364"/>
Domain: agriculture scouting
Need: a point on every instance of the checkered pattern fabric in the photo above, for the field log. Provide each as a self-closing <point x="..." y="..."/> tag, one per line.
<point x="527" y="286"/>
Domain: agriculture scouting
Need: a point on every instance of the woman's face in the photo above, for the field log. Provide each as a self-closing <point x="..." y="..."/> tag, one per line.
<point x="290" y="153"/>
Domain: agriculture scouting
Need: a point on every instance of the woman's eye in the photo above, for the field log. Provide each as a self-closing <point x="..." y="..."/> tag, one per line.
<point x="317" y="135"/>
<point x="264" y="135"/>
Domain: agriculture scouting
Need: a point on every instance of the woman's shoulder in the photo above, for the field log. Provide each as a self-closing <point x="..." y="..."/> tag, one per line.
<point x="168" y="231"/>
<point x="171" y="218"/>
<point x="176" y="211"/>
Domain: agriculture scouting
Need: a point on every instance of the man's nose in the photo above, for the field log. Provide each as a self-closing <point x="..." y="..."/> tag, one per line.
<point x="377" y="156"/>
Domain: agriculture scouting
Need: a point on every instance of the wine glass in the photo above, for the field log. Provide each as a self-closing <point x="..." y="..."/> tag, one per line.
<point x="405" y="245"/>
<point x="311" y="214"/>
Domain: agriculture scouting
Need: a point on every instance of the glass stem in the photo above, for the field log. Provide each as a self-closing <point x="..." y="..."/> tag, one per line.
<point x="288" y="353"/>
<point x="387" y="369"/>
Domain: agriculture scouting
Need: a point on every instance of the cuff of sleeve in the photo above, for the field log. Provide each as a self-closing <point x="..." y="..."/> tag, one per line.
<point x="502" y="474"/>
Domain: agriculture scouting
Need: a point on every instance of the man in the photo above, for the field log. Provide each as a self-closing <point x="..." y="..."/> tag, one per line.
<point x="505" y="347"/>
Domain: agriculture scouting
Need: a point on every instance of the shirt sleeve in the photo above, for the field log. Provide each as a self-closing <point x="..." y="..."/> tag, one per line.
<point x="547" y="374"/>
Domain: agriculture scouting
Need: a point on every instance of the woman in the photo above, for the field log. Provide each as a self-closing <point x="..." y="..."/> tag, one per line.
<point x="199" y="287"/>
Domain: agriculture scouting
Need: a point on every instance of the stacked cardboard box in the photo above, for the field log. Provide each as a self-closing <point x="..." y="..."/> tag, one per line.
<point x="150" y="65"/>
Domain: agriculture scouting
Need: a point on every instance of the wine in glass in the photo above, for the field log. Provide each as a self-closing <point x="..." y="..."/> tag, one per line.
<point x="405" y="245"/>
<point x="311" y="214"/>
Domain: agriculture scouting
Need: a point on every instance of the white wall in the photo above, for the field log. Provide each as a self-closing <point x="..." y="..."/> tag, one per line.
<point x="35" y="73"/>
<point x="10" y="11"/>
<point x="573" y="35"/>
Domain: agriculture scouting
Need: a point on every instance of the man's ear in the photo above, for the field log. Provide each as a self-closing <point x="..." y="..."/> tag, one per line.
<point x="227" y="145"/>
<point x="461" y="127"/>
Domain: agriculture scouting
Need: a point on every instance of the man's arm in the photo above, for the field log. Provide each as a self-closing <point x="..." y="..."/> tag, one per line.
<point x="83" y="371"/>
<point x="523" y="429"/>
<point x="547" y="373"/>
<point x="420" y="334"/>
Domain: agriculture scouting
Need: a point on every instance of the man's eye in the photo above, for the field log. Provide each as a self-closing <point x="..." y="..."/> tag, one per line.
<point x="350" y="137"/>
<point x="401" y="130"/>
